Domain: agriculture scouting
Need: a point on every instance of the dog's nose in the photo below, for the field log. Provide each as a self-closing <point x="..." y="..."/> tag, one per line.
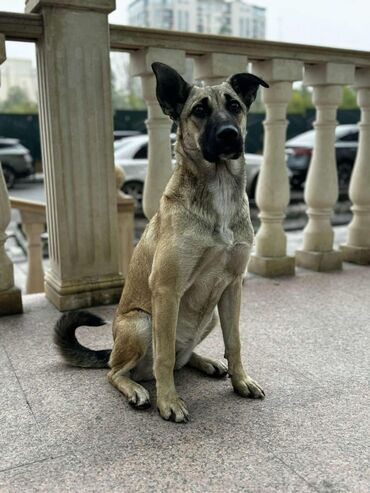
<point x="227" y="134"/>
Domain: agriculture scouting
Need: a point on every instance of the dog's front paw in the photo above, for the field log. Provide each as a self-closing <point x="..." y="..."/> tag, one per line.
<point x="246" y="387"/>
<point x="173" y="409"/>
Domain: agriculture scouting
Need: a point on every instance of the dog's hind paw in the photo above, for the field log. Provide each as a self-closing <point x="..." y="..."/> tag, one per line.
<point x="139" y="399"/>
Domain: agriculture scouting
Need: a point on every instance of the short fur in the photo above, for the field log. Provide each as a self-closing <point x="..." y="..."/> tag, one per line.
<point x="191" y="257"/>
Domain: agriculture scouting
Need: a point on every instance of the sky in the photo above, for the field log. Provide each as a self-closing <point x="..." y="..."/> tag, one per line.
<point x="336" y="23"/>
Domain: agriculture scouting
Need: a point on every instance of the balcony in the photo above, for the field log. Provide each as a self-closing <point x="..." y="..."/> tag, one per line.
<point x="305" y="309"/>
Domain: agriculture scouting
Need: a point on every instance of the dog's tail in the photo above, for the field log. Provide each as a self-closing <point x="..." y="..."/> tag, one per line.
<point x="68" y="346"/>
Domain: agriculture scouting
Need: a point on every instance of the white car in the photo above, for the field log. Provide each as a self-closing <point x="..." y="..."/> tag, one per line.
<point x="131" y="154"/>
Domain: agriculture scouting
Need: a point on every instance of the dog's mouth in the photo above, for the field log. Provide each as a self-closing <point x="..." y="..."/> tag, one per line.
<point x="222" y="155"/>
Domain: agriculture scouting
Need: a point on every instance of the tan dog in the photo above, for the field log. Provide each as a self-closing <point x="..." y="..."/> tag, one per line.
<point x="191" y="257"/>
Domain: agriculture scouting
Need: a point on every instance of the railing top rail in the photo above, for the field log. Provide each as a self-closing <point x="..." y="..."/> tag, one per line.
<point x="127" y="38"/>
<point x="27" y="205"/>
<point x="29" y="27"/>
<point x="21" y="27"/>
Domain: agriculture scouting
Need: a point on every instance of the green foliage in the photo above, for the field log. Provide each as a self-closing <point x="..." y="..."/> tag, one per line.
<point x="349" y="99"/>
<point x="301" y="101"/>
<point x="125" y="100"/>
<point x="18" y="101"/>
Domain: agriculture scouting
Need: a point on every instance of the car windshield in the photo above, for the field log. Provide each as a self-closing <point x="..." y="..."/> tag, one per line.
<point x="308" y="138"/>
<point x="128" y="147"/>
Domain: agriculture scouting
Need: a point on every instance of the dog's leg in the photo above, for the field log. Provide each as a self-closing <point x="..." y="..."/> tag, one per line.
<point x="229" y="311"/>
<point x="209" y="366"/>
<point x="132" y="341"/>
<point x="165" y="312"/>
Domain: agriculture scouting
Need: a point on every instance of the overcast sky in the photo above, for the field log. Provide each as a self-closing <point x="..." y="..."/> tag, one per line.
<point x="338" y="23"/>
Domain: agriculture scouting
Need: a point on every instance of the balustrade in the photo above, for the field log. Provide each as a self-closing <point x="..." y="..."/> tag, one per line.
<point x="272" y="195"/>
<point x="89" y="243"/>
<point x="357" y="248"/>
<point x="321" y="190"/>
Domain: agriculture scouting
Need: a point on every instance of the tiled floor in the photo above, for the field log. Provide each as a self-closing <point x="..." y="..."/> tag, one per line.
<point x="306" y="341"/>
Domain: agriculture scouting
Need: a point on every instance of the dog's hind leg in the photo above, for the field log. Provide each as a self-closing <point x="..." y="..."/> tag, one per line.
<point x="132" y="342"/>
<point x="209" y="366"/>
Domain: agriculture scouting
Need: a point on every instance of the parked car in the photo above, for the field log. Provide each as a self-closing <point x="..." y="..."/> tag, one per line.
<point x="299" y="151"/>
<point x="120" y="134"/>
<point x="131" y="153"/>
<point x="15" y="159"/>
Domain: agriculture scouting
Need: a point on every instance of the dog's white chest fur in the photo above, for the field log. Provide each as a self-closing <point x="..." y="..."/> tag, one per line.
<point x="224" y="205"/>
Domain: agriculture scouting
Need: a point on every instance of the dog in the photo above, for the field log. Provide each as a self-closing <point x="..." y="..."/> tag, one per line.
<point x="191" y="257"/>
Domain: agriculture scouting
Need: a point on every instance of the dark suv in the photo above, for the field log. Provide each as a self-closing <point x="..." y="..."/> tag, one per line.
<point x="299" y="152"/>
<point x="15" y="159"/>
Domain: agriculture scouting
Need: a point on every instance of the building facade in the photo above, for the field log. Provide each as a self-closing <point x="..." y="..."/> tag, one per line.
<point x="21" y="73"/>
<point x="228" y="17"/>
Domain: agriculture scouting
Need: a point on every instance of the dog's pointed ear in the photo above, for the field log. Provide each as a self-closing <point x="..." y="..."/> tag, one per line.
<point x="246" y="86"/>
<point x="172" y="90"/>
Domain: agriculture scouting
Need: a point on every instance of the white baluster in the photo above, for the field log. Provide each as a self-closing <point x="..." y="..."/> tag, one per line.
<point x="357" y="248"/>
<point x="77" y="144"/>
<point x="321" y="191"/>
<point x="273" y="183"/>
<point x="159" y="125"/>
<point x="10" y="296"/>
<point x="126" y="226"/>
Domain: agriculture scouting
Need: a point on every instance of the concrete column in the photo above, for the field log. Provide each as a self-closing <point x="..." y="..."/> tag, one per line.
<point x="215" y="68"/>
<point x="77" y="152"/>
<point x="10" y="296"/>
<point x="357" y="248"/>
<point x="321" y="191"/>
<point x="273" y="183"/>
<point x="159" y="125"/>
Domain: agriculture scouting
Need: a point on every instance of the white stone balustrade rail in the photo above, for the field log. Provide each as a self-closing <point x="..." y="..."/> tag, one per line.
<point x="33" y="219"/>
<point x="73" y="39"/>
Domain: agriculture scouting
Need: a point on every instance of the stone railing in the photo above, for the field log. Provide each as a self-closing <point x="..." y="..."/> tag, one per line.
<point x="73" y="40"/>
<point x="33" y="219"/>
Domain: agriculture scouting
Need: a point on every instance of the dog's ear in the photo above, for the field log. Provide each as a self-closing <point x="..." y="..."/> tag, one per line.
<point x="246" y="86"/>
<point x="172" y="90"/>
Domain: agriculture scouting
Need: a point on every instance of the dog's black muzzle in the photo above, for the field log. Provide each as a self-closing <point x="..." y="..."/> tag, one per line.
<point x="221" y="141"/>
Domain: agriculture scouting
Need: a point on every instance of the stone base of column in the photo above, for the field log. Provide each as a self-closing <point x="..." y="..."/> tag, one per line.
<point x="11" y="301"/>
<point x="319" y="261"/>
<point x="356" y="255"/>
<point x="72" y="296"/>
<point x="271" y="266"/>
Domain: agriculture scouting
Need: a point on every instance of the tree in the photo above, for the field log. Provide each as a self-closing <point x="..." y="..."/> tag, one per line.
<point x="301" y="100"/>
<point x="349" y="99"/>
<point x="17" y="101"/>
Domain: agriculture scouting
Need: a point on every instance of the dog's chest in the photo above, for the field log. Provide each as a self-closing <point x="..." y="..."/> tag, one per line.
<point x="224" y="206"/>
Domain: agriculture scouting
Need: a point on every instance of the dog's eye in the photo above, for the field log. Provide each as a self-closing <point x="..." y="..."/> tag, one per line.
<point x="234" y="106"/>
<point x="199" y="111"/>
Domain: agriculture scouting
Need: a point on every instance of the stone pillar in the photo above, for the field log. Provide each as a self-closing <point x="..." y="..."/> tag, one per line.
<point x="159" y="125"/>
<point x="10" y="296"/>
<point x="77" y="152"/>
<point x="357" y="248"/>
<point x="273" y="183"/>
<point x="321" y="191"/>
<point x="215" y="68"/>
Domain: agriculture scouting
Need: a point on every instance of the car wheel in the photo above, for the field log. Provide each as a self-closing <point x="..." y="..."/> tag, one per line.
<point x="9" y="176"/>
<point x="344" y="175"/>
<point x="135" y="189"/>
